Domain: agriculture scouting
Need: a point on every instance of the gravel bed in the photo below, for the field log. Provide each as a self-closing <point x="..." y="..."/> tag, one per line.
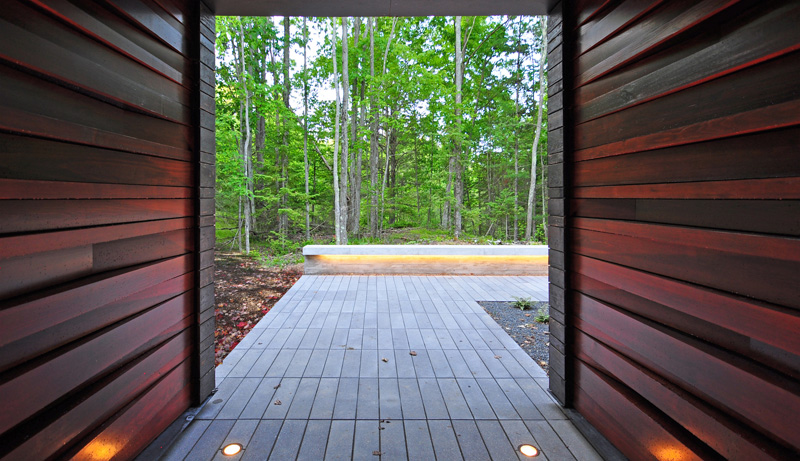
<point x="532" y="336"/>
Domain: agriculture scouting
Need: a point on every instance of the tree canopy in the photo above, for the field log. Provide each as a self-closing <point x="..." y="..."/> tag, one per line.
<point x="352" y="126"/>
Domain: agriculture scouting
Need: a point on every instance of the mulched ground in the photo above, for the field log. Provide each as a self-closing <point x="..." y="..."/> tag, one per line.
<point x="245" y="291"/>
<point x="532" y="336"/>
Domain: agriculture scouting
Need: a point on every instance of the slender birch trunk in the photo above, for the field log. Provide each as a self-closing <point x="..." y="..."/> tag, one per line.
<point x="248" y="169"/>
<point x="534" y="148"/>
<point x="374" y="161"/>
<point x="458" y="180"/>
<point x="337" y="209"/>
<point x="305" y="124"/>
<point x="343" y="176"/>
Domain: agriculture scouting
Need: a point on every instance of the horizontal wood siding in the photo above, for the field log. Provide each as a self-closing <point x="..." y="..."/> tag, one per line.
<point x="683" y="227"/>
<point x="99" y="237"/>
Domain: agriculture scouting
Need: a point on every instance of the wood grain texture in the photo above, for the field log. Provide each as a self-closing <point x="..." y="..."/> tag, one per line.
<point x="682" y="217"/>
<point x="100" y="202"/>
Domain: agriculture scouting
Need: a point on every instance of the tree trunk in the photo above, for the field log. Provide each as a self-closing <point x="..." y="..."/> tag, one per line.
<point x="305" y="124"/>
<point x="247" y="160"/>
<point x="345" y="137"/>
<point x="374" y="153"/>
<point x="517" y="81"/>
<point x="337" y="199"/>
<point x="535" y="149"/>
<point x="283" y="221"/>
<point x="458" y="180"/>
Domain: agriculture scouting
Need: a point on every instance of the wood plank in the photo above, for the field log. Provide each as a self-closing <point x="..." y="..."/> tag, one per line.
<point x="75" y="367"/>
<point x="664" y="24"/>
<point x="648" y="126"/>
<point x="759" y="276"/>
<point x="768" y="401"/>
<point x="781" y="217"/>
<point x="606" y="25"/>
<point x="635" y="428"/>
<point x="742" y="44"/>
<point x="152" y="412"/>
<point x="62" y="427"/>
<point x="20" y="189"/>
<point x="704" y="313"/>
<point x="22" y="318"/>
<point x="26" y="158"/>
<point x="722" y="433"/>
<point x="95" y="21"/>
<point x="36" y="107"/>
<point x="39" y="215"/>
<point x="737" y="158"/>
<point x="56" y="51"/>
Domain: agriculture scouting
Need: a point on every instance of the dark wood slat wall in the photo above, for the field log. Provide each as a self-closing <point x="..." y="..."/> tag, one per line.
<point x="681" y="227"/>
<point x="205" y="205"/>
<point x="559" y="113"/>
<point x="107" y="221"/>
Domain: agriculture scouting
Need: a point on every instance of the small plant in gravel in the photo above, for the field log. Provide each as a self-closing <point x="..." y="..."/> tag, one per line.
<point x="542" y="315"/>
<point x="522" y="303"/>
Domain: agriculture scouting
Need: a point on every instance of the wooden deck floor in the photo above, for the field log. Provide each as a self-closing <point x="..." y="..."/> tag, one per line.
<point x="329" y="374"/>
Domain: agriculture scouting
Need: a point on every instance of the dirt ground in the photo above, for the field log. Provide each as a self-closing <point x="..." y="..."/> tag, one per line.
<point x="245" y="291"/>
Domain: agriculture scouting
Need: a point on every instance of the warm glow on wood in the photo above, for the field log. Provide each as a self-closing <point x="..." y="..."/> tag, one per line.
<point x="529" y="450"/>
<point x="428" y="264"/>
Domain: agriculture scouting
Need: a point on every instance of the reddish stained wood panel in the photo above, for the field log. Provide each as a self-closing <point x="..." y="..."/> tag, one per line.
<point x="104" y="400"/>
<point x="683" y="221"/>
<point x="765" y="399"/>
<point x="99" y="197"/>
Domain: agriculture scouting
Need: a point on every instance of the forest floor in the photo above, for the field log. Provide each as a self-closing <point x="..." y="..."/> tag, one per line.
<point x="245" y="291"/>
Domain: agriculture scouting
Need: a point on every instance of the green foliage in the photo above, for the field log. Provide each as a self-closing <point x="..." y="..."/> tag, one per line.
<point x="414" y="103"/>
<point x="522" y="303"/>
<point x="543" y="314"/>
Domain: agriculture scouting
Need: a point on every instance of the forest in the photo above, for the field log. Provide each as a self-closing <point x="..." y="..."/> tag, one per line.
<point x="349" y="130"/>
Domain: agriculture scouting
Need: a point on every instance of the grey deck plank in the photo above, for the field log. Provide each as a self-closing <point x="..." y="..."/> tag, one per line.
<point x="389" y="396"/>
<point x="340" y="441"/>
<point x="475" y="399"/>
<point x="186" y="441"/>
<point x="315" y="441"/>
<point x="469" y="392"/>
<point x="393" y="441"/>
<point x="324" y="401"/>
<point x="346" y="399"/>
<point x="238" y="400"/>
<point x="263" y="440"/>
<point x="548" y="441"/>
<point x="288" y="443"/>
<point x="282" y="399"/>
<point x="368" y="400"/>
<point x="470" y="440"/>
<point x="366" y="441"/>
<point x="241" y="433"/>
<point x="261" y="399"/>
<point x="419" y="439"/>
<point x="445" y="444"/>
<point x="435" y="407"/>
<point x="303" y="399"/>
<point x="496" y="441"/>
<point x="207" y="446"/>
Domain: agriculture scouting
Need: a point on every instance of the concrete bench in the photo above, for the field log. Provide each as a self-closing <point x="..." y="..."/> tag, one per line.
<point x="426" y="259"/>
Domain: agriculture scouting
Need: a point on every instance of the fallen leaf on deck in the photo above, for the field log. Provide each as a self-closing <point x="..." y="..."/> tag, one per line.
<point x="498" y="357"/>
<point x="376" y="453"/>
<point x="384" y="359"/>
<point x="278" y="402"/>
<point x="414" y="353"/>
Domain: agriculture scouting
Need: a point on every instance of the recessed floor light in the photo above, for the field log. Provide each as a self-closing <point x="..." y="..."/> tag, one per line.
<point x="232" y="449"/>
<point x="529" y="450"/>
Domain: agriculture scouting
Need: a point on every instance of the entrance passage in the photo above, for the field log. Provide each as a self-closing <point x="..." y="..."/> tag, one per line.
<point x="384" y="367"/>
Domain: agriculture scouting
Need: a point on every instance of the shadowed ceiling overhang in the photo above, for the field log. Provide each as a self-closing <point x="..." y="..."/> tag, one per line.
<point x="379" y="7"/>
